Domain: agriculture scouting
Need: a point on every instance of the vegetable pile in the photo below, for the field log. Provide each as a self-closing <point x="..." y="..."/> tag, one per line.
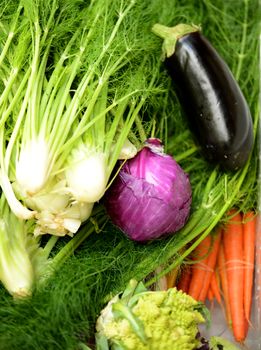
<point x="63" y="125"/>
<point x="82" y="87"/>
<point x="66" y="114"/>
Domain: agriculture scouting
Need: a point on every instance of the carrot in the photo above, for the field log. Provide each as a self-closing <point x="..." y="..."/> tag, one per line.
<point x="184" y="280"/>
<point x="200" y="267"/>
<point x="249" y="231"/>
<point x="224" y="282"/>
<point x="258" y="263"/>
<point x="215" y="288"/>
<point x="171" y="278"/>
<point x="210" y="295"/>
<point x="211" y="264"/>
<point x="233" y="247"/>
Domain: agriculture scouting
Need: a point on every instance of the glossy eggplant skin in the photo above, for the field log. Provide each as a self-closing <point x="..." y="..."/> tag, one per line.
<point x="212" y="101"/>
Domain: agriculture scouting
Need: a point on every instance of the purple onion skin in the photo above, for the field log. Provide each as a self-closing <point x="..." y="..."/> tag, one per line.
<point x="151" y="196"/>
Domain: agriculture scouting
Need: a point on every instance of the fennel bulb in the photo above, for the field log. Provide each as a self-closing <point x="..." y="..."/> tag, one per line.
<point x="53" y="197"/>
<point x="86" y="175"/>
<point x="66" y="221"/>
<point x="32" y="165"/>
<point x="16" y="269"/>
<point x="128" y="150"/>
<point x="79" y="210"/>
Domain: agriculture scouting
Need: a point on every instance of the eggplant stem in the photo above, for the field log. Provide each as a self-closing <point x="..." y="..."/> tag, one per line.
<point x="171" y="35"/>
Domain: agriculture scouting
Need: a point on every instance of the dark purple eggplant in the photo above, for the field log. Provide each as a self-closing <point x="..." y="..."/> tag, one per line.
<point x="209" y="95"/>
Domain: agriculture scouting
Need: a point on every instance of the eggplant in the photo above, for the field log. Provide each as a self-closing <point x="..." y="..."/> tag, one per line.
<point x="210" y="97"/>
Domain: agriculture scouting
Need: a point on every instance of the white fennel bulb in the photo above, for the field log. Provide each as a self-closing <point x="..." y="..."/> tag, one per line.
<point x="86" y="175"/>
<point x="128" y="150"/>
<point x="63" y="222"/>
<point x="53" y="198"/>
<point x="32" y="165"/>
<point x="16" y="270"/>
<point x="79" y="210"/>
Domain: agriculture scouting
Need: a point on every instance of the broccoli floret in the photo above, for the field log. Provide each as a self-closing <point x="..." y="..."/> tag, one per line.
<point x="149" y="320"/>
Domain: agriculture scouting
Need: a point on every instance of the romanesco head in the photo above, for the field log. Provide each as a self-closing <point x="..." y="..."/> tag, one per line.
<point x="152" y="320"/>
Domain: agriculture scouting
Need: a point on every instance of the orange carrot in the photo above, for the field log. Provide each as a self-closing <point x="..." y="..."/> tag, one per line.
<point x="210" y="295"/>
<point x="233" y="247"/>
<point x="258" y="263"/>
<point x="249" y="230"/>
<point x="200" y="267"/>
<point x="211" y="264"/>
<point x="215" y="288"/>
<point x="224" y="282"/>
<point x="184" y="280"/>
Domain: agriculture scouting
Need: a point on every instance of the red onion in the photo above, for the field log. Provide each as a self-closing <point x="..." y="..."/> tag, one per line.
<point x="151" y="196"/>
